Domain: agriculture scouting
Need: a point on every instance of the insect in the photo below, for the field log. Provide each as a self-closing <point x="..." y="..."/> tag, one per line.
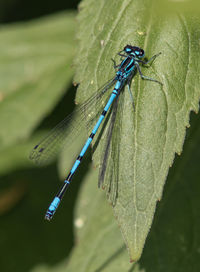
<point x="132" y="57"/>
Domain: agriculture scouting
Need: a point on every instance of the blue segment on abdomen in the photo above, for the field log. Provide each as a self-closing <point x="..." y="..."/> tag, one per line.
<point x="89" y="140"/>
<point x="98" y="124"/>
<point x="54" y="204"/>
<point x="76" y="164"/>
<point x="112" y="97"/>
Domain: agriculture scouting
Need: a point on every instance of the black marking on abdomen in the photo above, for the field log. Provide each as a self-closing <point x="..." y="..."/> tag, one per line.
<point x="104" y="113"/>
<point x="92" y="135"/>
<point x="79" y="158"/>
<point x="69" y="177"/>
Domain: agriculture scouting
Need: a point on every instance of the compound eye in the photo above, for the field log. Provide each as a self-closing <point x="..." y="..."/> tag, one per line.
<point x="128" y="49"/>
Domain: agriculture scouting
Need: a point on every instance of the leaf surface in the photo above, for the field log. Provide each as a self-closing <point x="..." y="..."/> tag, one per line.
<point x="144" y="141"/>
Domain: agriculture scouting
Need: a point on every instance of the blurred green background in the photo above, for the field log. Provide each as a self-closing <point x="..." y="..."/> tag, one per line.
<point x="27" y="47"/>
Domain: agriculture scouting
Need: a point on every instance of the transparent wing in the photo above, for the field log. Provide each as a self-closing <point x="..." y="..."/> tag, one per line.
<point x="106" y="150"/>
<point x="70" y="128"/>
<point x="108" y="171"/>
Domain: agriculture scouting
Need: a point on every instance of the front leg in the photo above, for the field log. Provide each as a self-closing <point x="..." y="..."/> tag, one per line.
<point x="145" y="77"/>
<point x="121" y="55"/>
<point x="114" y="64"/>
<point x="150" y="60"/>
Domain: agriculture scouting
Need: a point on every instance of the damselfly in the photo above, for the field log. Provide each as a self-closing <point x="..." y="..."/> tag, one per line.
<point x="132" y="57"/>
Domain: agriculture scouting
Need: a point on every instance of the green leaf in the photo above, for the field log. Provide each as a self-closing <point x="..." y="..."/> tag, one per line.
<point x="35" y="71"/>
<point x="144" y="141"/>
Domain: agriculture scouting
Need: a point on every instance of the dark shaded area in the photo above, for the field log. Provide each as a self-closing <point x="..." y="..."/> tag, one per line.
<point x="22" y="10"/>
<point x="26" y="238"/>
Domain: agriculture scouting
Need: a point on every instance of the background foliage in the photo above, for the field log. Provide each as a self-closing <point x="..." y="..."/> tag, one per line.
<point x="36" y="92"/>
